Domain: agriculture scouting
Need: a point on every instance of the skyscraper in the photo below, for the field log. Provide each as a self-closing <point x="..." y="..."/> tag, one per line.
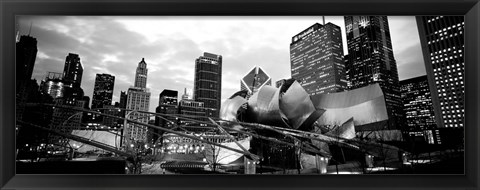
<point x="168" y="104"/>
<point x="442" y="39"/>
<point x="66" y="120"/>
<point x="370" y="60"/>
<point x="316" y="58"/>
<point x="347" y="71"/>
<point x="123" y="99"/>
<point x="73" y="70"/>
<point x="103" y="90"/>
<point x="63" y="119"/>
<point x="123" y="103"/>
<point x="141" y="75"/>
<point x="418" y="109"/>
<point x="417" y="104"/>
<point x="26" y="53"/>
<point x="193" y="110"/>
<point x="110" y="122"/>
<point x="254" y="80"/>
<point x="138" y="99"/>
<point x="185" y="95"/>
<point x="53" y="85"/>
<point x="208" y="82"/>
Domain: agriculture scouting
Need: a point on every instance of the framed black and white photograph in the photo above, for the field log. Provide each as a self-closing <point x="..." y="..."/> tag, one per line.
<point x="239" y="95"/>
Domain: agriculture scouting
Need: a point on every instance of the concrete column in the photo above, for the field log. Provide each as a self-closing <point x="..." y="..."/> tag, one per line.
<point x="250" y="166"/>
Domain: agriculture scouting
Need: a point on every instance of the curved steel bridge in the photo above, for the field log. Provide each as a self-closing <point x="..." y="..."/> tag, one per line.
<point x="302" y="136"/>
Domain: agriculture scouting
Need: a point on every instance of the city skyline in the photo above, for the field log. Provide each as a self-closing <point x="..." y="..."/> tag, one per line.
<point x="171" y="49"/>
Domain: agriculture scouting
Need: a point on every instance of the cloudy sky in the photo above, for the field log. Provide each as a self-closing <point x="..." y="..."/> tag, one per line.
<point x="170" y="45"/>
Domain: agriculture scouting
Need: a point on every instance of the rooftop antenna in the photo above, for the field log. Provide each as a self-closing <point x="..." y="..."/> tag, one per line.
<point x="323" y="17"/>
<point x="30" y="30"/>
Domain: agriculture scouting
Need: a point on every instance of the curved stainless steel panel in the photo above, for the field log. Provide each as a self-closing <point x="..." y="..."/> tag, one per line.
<point x="346" y="130"/>
<point x="366" y="105"/>
<point x="347" y="98"/>
<point x="263" y="107"/>
<point x="230" y="107"/>
<point x="295" y="103"/>
<point x="364" y="113"/>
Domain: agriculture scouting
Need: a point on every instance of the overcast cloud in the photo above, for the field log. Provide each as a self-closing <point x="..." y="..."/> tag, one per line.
<point x="170" y="45"/>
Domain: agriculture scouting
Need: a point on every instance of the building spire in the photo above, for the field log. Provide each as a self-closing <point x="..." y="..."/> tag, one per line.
<point x="141" y="74"/>
<point x="185" y="95"/>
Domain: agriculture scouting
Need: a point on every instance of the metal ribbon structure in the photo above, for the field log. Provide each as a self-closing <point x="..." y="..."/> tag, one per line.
<point x="324" y="119"/>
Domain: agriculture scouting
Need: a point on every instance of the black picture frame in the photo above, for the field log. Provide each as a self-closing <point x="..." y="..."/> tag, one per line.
<point x="10" y="8"/>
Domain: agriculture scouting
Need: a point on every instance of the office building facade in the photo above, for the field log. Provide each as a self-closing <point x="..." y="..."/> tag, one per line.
<point x="103" y="90"/>
<point x="371" y="60"/>
<point x="53" y="85"/>
<point x="418" y="110"/>
<point x="442" y="39"/>
<point x="208" y="82"/>
<point x="138" y="99"/>
<point x="73" y="70"/>
<point x="192" y="110"/>
<point x="111" y="123"/>
<point x="67" y="120"/>
<point x="168" y="104"/>
<point x="417" y="104"/>
<point x="316" y="57"/>
<point x="26" y="53"/>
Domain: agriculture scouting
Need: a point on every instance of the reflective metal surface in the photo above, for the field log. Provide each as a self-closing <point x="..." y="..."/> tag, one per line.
<point x="366" y="105"/>
<point x="332" y="117"/>
<point x="263" y="107"/>
<point x="295" y="103"/>
<point x="230" y="108"/>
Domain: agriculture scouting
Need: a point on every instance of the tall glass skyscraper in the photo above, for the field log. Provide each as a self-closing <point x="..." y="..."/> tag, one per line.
<point x="418" y="105"/>
<point x="418" y="109"/>
<point x="208" y="82"/>
<point x="371" y="60"/>
<point x="103" y="90"/>
<point x="67" y="120"/>
<point x="138" y="98"/>
<point x="193" y="110"/>
<point x="53" y="85"/>
<point x="26" y="53"/>
<point x="167" y="104"/>
<point x="316" y="58"/>
<point x="73" y="70"/>
<point x="442" y="39"/>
